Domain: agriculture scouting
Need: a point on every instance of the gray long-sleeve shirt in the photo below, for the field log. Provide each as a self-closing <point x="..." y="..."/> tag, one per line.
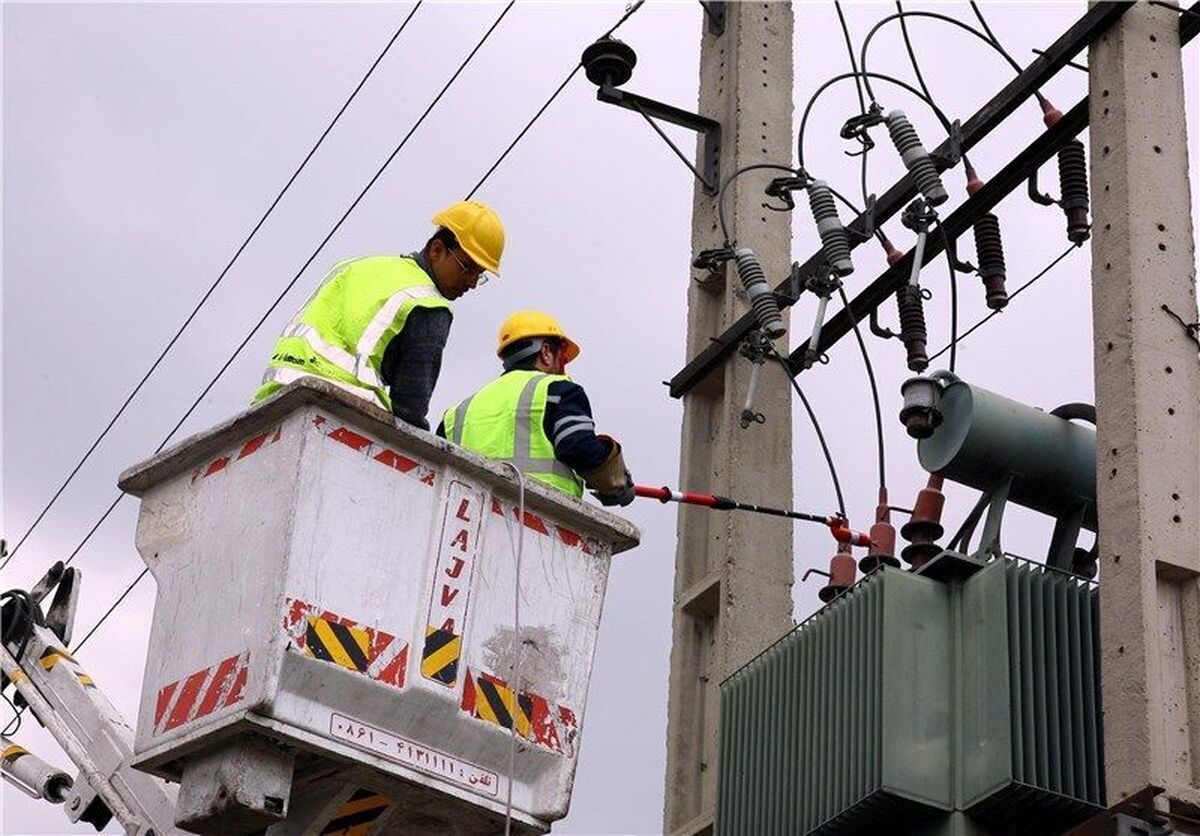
<point x="413" y="360"/>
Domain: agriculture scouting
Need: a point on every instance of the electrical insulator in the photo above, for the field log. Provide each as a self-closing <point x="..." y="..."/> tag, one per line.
<point x="1073" y="186"/>
<point x="834" y="240"/>
<point x="912" y="327"/>
<point x="916" y="158"/>
<point x="924" y="528"/>
<point x="883" y="538"/>
<point x="922" y="410"/>
<point x="989" y="249"/>
<point x="842" y="571"/>
<point x="762" y="299"/>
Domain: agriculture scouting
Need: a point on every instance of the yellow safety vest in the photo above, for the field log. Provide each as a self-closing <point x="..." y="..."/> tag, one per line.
<point x="342" y="332"/>
<point x="503" y="420"/>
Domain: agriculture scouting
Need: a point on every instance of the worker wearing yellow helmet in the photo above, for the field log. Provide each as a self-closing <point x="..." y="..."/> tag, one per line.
<point x="539" y="419"/>
<point x="377" y="326"/>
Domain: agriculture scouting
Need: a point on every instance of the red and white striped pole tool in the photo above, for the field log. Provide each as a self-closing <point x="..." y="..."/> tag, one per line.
<point x="837" y="525"/>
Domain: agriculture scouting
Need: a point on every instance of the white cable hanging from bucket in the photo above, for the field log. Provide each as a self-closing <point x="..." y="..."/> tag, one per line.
<point x="515" y="672"/>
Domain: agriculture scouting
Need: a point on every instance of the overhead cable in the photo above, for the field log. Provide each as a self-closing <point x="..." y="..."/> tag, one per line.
<point x="812" y="417"/>
<point x="293" y="282"/>
<point x="1011" y="296"/>
<point x="562" y="86"/>
<point x="220" y="277"/>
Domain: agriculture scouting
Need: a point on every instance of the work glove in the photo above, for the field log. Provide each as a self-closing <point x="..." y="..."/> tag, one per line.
<point x="621" y="496"/>
<point x="610" y="481"/>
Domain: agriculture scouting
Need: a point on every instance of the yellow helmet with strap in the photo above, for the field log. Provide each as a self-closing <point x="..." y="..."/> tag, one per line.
<point x="523" y="325"/>
<point x="478" y="230"/>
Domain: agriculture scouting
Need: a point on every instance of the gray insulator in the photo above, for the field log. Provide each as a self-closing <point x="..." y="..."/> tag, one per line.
<point x="834" y="240"/>
<point x="762" y="299"/>
<point x="916" y="158"/>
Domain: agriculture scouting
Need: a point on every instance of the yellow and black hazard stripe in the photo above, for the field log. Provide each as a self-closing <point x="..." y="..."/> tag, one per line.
<point x="51" y="656"/>
<point x="498" y="704"/>
<point x="358" y="815"/>
<point x="12" y="753"/>
<point x="439" y="659"/>
<point x="85" y="680"/>
<point x="347" y="646"/>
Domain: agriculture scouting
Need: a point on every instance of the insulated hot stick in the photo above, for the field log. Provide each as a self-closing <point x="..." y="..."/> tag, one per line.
<point x="837" y="525"/>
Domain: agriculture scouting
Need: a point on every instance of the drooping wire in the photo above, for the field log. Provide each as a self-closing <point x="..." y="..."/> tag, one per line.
<point x="208" y="293"/>
<point x="862" y="347"/>
<point x="1000" y="48"/>
<point x="990" y="41"/>
<point x="945" y="122"/>
<point x="725" y="188"/>
<point x="1011" y="296"/>
<point x="862" y="102"/>
<point x="992" y="37"/>
<point x="912" y="58"/>
<point x="290" y="285"/>
<point x="562" y="86"/>
<point x="112" y="608"/>
<point x="953" y="295"/>
<point x="812" y="416"/>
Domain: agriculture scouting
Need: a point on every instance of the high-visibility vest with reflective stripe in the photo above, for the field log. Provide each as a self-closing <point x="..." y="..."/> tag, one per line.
<point x="343" y="330"/>
<point x="503" y="420"/>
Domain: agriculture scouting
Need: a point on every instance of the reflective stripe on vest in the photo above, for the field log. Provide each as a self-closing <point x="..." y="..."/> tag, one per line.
<point x="342" y="332"/>
<point x="525" y="414"/>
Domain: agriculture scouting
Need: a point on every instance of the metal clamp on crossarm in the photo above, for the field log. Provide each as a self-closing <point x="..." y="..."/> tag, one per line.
<point x="609" y="63"/>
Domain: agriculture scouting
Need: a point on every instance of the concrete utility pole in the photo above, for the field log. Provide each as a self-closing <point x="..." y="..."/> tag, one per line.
<point x="1148" y="403"/>
<point x="733" y="572"/>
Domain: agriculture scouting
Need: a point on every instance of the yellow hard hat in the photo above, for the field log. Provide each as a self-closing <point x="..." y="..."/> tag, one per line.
<point x="525" y="324"/>
<point x="478" y="230"/>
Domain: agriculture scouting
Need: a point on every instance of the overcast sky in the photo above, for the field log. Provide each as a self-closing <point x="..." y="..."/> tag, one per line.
<point x="142" y="142"/>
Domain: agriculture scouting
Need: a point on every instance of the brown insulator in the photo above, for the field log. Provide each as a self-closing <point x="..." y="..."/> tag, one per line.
<point x="842" y="572"/>
<point x="912" y="326"/>
<point x="924" y="528"/>
<point x="989" y="248"/>
<point x="1050" y="113"/>
<point x="1073" y="187"/>
<point x="883" y="538"/>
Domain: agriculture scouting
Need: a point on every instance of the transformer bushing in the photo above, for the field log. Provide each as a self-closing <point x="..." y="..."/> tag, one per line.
<point x="924" y="527"/>
<point x="921" y="412"/>
<point x="882" y="551"/>
<point x="842" y="572"/>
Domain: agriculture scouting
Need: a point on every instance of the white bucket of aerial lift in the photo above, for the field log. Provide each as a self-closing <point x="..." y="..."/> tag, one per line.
<point x="346" y="586"/>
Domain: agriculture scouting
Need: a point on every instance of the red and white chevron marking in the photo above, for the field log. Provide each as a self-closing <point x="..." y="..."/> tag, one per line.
<point x="570" y="539"/>
<point x="200" y="694"/>
<point x="376" y="451"/>
<point x="248" y="449"/>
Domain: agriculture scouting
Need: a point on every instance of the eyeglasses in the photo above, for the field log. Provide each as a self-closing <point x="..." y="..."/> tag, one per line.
<point x="473" y="269"/>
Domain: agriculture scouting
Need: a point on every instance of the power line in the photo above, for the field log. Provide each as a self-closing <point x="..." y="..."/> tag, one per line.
<point x="812" y="417"/>
<point x="562" y="86"/>
<point x="1011" y="296"/>
<point x="204" y="299"/>
<point x="284" y="293"/>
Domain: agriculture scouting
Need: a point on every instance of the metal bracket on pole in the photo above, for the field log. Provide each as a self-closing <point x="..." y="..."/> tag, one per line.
<point x="651" y="109"/>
